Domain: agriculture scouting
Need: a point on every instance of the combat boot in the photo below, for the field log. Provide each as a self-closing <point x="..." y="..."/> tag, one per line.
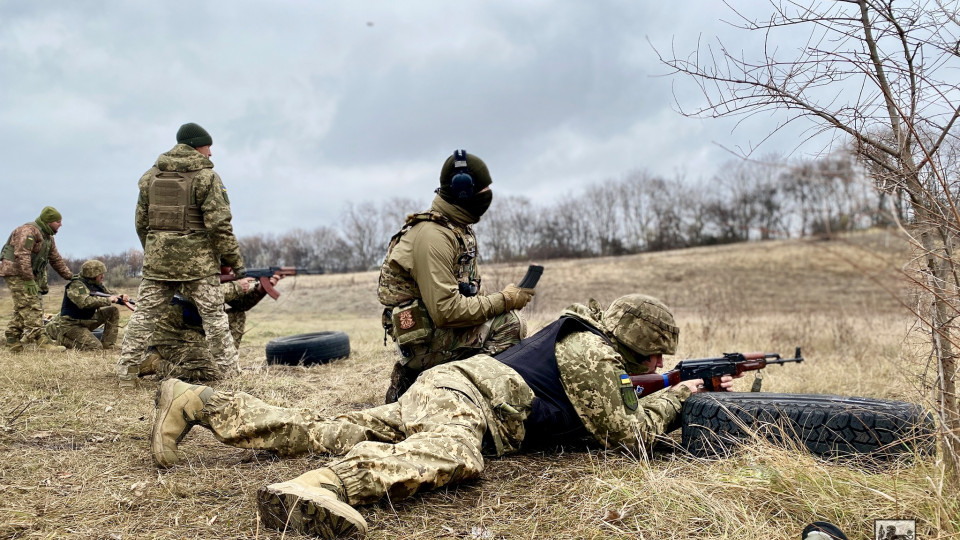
<point x="177" y="406"/>
<point x="45" y="344"/>
<point x="14" y="345"/>
<point x="151" y="361"/>
<point x="313" y="503"/>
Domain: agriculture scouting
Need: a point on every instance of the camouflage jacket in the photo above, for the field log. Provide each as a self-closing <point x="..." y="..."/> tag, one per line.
<point x="175" y="327"/>
<point x="186" y="256"/>
<point x="78" y="292"/>
<point x="428" y="261"/>
<point x="592" y="370"/>
<point x="29" y="245"/>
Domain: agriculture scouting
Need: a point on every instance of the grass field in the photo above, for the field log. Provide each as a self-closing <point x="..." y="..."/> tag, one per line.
<point x="76" y="464"/>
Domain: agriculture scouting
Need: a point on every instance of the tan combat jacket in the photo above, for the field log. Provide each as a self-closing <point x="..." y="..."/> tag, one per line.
<point x="191" y="255"/>
<point x="427" y="259"/>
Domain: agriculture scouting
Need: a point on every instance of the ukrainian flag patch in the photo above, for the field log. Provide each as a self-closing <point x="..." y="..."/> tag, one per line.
<point x="628" y="393"/>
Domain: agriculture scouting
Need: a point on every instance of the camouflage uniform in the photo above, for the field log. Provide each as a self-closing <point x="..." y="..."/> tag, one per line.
<point x="184" y="257"/>
<point x="179" y="346"/>
<point x="427" y="261"/>
<point x="439" y="430"/>
<point x="23" y="263"/>
<point x="81" y="312"/>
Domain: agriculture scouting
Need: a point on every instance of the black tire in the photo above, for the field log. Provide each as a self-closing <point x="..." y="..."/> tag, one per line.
<point x="307" y="349"/>
<point x="829" y="426"/>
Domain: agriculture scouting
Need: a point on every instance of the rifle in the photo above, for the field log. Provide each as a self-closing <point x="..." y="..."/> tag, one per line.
<point x="263" y="276"/>
<point x="129" y="304"/>
<point x="710" y="370"/>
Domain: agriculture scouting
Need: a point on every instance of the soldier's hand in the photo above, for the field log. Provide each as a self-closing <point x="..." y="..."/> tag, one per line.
<point x="245" y="283"/>
<point x="30" y="287"/>
<point x="515" y="298"/>
<point x="114" y="299"/>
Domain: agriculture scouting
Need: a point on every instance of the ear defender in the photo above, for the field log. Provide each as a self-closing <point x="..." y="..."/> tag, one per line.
<point x="462" y="183"/>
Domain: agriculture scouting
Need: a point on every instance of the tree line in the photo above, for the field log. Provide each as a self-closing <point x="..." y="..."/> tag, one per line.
<point x="640" y="212"/>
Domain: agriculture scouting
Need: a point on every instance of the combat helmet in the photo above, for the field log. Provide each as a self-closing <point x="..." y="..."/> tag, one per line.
<point x="642" y="323"/>
<point x="92" y="268"/>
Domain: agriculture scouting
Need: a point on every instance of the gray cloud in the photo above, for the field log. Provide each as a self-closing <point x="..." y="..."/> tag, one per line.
<point x="314" y="104"/>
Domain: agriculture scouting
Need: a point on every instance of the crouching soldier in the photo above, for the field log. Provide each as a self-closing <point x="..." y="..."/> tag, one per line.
<point x="82" y="311"/>
<point x="566" y="383"/>
<point x="179" y="347"/>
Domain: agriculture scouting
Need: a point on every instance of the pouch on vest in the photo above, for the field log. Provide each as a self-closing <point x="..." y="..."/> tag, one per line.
<point x="170" y="206"/>
<point x="411" y="324"/>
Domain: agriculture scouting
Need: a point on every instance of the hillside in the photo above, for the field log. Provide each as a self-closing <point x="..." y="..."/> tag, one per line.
<point x="76" y="462"/>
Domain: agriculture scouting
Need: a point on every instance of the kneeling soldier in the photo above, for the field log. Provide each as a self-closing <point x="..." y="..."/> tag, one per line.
<point x="567" y="382"/>
<point x="81" y="312"/>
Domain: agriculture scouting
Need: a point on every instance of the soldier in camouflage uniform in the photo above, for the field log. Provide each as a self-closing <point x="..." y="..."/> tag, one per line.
<point x="568" y="382"/>
<point x="23" y="267"/>
<point x="183" y="221"/>
<point x="179" y="345"/>
<point x="434" y="305"/>
<point x="81" y="312"/>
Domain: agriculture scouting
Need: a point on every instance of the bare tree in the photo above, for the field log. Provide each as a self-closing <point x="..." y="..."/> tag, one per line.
<point x="881" y="74"/>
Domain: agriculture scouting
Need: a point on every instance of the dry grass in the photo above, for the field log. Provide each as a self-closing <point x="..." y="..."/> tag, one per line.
<point x="76" y="463"/>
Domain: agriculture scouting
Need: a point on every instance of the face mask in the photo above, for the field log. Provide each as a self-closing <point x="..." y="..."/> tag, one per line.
<point x="477" y="205"/>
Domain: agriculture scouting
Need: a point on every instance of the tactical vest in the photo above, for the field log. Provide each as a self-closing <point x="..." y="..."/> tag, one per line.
<point x="69" y="309"/>
<point x="397" y="287"/>
<point x="173" y="204"/>
<point x="553" y="418"/>
<point x="38" y="259"/>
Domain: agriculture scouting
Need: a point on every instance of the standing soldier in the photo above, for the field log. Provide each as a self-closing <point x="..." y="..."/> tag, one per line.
<point x="81" y="312"/>
<point x="24" y="269"/>
<point x="434" y="306"/>
<point x="183" y="221"/>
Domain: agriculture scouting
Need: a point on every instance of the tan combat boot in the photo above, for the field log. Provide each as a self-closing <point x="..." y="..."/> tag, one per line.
<point x="177" y="406"/>
<point x="312" y="503"/>
<point x="46" y="344"/>
<point x="150" y="362"/>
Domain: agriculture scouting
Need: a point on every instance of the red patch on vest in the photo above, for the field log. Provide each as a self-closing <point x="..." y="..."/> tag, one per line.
<point x="406" y="320"/>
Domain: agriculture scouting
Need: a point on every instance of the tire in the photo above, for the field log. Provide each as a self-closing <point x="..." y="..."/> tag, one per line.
<point x="307" y="349"/>
<point x="829" y="426"/>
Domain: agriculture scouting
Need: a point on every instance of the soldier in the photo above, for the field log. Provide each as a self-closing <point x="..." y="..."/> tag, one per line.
<point x="566" y="383"/>
<point x="23" y="266"/>
<point x="183" y="220"/>
<point x="434" y="306"/>
<point x="81" y="312"/>
<point x="179" y="345"/>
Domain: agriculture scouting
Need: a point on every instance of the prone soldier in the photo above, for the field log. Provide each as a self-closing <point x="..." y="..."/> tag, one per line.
<point x="568" y="382"/>
<point x="82" y="312"/>
<point x="23" y="267"/>
<point x="434" y="305"/>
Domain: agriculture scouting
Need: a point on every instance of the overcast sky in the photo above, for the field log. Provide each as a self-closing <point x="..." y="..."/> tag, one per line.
<point x="313" y="104"/>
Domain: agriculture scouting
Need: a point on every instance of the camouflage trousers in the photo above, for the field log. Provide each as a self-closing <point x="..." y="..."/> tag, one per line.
<point x="450" y="344"/>
<point x="78" y="334"/>
<point x="436" y="434"/>
<point x="152" y="299"/>
<point x="189" y="359"/>
<point x="26" y="325"/>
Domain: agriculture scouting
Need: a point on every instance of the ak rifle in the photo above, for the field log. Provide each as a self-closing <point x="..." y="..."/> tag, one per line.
<point x="263" y="276"/>
<point x="711" y="370"/>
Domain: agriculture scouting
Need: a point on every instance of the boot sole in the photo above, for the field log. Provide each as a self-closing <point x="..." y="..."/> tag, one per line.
<point x="164" y="400"/>
<point x="290" y="506"/>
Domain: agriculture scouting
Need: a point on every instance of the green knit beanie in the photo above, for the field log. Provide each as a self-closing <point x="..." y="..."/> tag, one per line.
<point x="193" y="135"/>
<point x="476" y="167"/>
<point x="49" y="214"/>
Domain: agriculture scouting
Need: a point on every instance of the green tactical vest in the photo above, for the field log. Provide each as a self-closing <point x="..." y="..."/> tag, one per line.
<point x="38" y="259"/>
<point x="173" y="205"/>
